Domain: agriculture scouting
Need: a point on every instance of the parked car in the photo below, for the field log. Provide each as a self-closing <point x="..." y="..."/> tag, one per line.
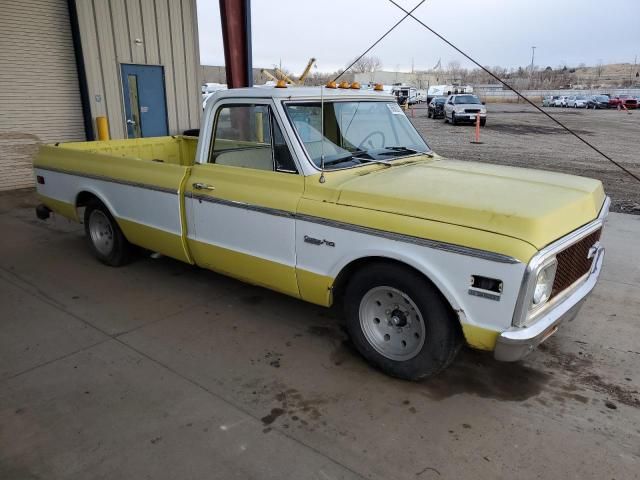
<point x="598" y="101"/>
<point x="623" y="100"/>
<point x="435" y="108"/>
<point x="560" y="101"/>
<point x="464" y="108"/>
<point x="547" y="101"/>
<point x="577" y="101"/>
<point x="333" y="197"/>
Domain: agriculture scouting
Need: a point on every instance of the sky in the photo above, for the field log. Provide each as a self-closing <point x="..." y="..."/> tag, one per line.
<point x="564" y="32"/>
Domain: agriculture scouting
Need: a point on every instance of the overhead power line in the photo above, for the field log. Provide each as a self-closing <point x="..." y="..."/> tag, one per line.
<point x="593" y="147"/>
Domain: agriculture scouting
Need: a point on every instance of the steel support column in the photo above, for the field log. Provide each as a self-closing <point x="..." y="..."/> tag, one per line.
<point x="235" y="16"/>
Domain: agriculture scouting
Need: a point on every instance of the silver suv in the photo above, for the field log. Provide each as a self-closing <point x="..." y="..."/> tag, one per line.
<point x="464" y="108"/>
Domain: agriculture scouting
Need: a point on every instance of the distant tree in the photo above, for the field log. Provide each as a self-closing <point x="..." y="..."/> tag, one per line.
<point x="599" y="68"/>
<point x="454" y="70"/>
<point x="366" y="64"/>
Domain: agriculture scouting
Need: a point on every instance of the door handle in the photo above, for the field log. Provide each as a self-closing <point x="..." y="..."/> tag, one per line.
<point x="131" y="122"/>
<point x="203" y="186"/>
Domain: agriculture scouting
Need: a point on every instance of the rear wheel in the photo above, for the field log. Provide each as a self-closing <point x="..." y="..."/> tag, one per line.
<point x="104" y="235"/>
<point x="399" y="322"/>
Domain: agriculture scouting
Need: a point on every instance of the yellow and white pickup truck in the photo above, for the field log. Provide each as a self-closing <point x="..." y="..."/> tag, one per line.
<point x="331" y="196"/>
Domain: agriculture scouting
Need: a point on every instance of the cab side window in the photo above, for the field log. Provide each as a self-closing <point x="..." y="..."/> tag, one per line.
<point x="248" y="136"/>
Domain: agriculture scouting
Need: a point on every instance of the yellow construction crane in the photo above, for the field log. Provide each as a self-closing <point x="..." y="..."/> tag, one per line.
<point x="306" y="71"/>
<point x="268" y="74"/>
<point x="283" y="75"/>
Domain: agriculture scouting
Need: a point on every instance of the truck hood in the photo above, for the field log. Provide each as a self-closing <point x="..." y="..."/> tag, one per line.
<point x="531" y="205"/>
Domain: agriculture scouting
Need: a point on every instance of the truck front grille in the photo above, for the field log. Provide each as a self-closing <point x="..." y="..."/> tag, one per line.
<point x="573" y="263"/>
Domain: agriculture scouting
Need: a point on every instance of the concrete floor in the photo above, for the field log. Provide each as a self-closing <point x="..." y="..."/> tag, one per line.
<point x="161" y="370"/>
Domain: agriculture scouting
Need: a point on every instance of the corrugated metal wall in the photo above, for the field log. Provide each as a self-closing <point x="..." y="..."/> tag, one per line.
<point x="39" y="90"/>
<point x="153" y="32"/>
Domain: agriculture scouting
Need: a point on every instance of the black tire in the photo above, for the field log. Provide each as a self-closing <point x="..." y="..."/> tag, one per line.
<point x="443" y="337"/>
<point x="483" y="122"/>
<point x="453" y="118"/>
<point x="116" y="250"/>
<point x="428" y="114"/>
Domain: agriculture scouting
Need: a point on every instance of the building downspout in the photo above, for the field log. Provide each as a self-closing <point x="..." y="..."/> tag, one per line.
<point x="82" y="74"/>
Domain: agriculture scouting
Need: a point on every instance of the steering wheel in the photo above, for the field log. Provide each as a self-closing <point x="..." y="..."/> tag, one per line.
<point x="369" y="137"/>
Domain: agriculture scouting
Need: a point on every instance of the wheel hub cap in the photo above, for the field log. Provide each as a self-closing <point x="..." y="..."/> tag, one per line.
<point x="101" y="232"/>
<point x="392" y="323"/>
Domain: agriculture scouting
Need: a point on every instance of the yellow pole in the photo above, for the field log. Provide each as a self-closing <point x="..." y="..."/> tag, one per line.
<point x="102" y="125"/>
<point x="259" y="127"/>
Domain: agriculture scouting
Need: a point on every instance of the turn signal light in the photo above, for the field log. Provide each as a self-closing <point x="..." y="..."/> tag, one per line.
<point x="355" y="86"/>
<point x="281" y="84"/>
<point x="331" y="84"/>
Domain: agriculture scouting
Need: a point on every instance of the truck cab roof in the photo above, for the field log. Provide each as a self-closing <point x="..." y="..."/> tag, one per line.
<point x="291" y="93"/>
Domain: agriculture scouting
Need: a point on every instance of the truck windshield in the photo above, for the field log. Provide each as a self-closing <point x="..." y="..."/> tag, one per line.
<point x="355" y="132"/>
<point x="466" y="99"/>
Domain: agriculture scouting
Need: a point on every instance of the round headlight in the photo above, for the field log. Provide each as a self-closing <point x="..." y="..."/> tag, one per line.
<point x="544" y="284"/>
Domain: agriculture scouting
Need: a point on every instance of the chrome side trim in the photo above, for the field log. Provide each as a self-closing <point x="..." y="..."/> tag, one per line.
<point x="103" y="178"/>
<point x="449" y="247"/>
<point x="526" y="287"/>
<point x="245" y="206"/>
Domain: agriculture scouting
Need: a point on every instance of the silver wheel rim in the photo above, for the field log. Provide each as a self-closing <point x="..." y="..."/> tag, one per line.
<point x="392" y="323"/>
<point x="101" y="232"/>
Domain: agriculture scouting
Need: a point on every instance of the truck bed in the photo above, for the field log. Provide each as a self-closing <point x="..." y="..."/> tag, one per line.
<point x="176" y="150"/>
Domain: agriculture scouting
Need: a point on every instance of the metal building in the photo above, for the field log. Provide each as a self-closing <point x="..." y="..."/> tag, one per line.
<point x="64" y="63"/>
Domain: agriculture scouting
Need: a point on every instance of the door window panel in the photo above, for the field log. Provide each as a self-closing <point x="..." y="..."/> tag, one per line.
<point x="248" y="136"/>
<point x="242" y="137"/>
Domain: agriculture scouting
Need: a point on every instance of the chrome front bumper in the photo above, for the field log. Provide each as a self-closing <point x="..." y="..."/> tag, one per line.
<point x="516" y="343"/>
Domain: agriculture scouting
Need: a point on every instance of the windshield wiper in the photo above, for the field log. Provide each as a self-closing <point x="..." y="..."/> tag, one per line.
<point x="407" y="150"/>
<point x="370" y="160"/>
<point x="355" y="155"/>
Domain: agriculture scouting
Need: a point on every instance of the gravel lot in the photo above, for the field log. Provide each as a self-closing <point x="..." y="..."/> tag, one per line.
<point x="518" y="135"/>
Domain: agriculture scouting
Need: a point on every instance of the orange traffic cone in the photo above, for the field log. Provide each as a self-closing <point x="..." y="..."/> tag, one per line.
<point x="477" y="140"/>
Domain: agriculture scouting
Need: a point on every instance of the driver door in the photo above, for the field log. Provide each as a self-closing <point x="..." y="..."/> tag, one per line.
<point x="241" y="202"/>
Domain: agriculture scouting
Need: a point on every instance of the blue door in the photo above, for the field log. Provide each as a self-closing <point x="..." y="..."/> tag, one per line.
<point x="144" y="100"/>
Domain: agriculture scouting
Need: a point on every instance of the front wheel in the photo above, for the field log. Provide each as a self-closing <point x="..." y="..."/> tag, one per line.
<point x="453" y="118"/>
<point x="483" y="122"/>
<point x="400" y="323"/>
<point x="104" y="235"/>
